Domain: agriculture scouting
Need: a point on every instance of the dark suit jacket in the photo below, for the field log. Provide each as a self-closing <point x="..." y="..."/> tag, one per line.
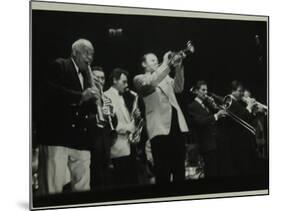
<point x="238" y="133"/>
<point x="64" y="122"/>
<point x="238" y="144"/>
<point x="203" y="127"/>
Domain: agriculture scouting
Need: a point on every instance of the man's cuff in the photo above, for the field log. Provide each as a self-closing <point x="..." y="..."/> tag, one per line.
<point x="216" y="117"/>
<point x="249" y="109"/>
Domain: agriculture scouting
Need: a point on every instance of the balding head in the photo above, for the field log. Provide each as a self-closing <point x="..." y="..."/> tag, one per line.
<point x="150" y="62"/>
<point x="82" y="53"/>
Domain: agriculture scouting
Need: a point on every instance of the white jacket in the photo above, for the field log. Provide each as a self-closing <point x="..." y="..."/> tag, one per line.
<point x="158" y="104"/>
<point x="121" y="147"/>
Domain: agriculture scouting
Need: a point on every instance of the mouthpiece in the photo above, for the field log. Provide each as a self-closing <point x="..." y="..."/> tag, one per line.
<point x="131" y="92"/>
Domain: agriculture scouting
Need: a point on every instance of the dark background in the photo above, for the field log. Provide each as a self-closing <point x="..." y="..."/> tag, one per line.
<point x="224" y="49"/>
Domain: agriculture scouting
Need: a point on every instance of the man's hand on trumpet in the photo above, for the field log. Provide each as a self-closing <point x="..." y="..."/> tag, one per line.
<point x="251" y="103"/>
<point x="177" y="61"/>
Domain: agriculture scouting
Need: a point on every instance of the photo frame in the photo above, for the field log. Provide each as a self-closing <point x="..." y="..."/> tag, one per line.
<point x="227" y="47"/>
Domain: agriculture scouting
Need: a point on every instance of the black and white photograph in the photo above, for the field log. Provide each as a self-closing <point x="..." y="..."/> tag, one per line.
<point x="136" y="105"/>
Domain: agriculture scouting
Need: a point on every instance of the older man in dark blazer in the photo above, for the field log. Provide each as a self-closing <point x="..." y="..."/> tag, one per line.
<point x="67" y="117"/>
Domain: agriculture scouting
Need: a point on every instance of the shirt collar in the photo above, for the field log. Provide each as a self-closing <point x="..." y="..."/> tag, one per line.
<point x="115" y="91"/>
<point x="75" y="65"/>
<point x="198" y="100"/>
<point x="234" y="98"/>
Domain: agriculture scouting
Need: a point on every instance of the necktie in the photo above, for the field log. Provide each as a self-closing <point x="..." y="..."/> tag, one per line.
<point x="81" y="79"/>
<point x="86" y="80"/>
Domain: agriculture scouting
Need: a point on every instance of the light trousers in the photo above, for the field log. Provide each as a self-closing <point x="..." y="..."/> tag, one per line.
<point x="54" y="164"/>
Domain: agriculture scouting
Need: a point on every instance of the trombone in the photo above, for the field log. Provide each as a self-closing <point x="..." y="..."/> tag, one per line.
<point x="225" y="104"/>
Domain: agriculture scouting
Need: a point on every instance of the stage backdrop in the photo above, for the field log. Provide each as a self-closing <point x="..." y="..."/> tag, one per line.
<point x="224" y="49"/>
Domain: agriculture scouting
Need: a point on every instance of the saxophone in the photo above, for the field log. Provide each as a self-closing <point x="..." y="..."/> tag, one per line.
<point x="135" y="137"/>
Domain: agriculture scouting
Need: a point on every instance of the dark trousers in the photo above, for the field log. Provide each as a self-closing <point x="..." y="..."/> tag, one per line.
<point x="124" y="171"/>
<point x="237" y="155"/>
<point x="100" y="161"/>
<point x="244" y="156"/>
<point x="168" y="153"/>
<point x="210" y="163"/>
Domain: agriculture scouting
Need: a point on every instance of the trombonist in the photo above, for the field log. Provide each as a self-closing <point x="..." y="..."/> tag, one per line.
<point x="102" y="135"/>
<point x="204" y="127"/>
<point x="240" y="142"/>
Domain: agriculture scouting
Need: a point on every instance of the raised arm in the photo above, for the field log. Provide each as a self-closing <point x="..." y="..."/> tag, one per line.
<point x="145" y="84"/>
<point x="178" y="82"/>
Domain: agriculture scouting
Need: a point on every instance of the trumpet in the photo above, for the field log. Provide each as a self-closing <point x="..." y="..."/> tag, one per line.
<point x="108" y="105"/>
<point x="101" y="118"/>
<point x="260" y="105"/>
<point x="177" y="56"/>
<point x="225" y="104"/>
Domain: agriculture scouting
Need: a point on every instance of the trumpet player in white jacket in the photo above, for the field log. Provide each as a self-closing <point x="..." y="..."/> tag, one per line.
<point x="166" y="125"/>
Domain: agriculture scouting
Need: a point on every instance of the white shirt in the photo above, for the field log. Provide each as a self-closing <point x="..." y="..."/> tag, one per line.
<point x="121" y="105"/>
<point x="80" y="76"/>
<point x="202" y="104"/>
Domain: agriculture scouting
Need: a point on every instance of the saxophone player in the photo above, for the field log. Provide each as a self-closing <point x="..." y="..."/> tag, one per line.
<point x="121" y="154"/>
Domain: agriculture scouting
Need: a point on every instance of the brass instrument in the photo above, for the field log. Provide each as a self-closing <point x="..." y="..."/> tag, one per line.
<point x="260" y="105"/>
<point x="135" y="136"/>
<point x="225" y="104"/>
<point x="108" y="104"/>
<point x="210" y="100"/>
<point x="101" y="118"/>
<point x="176" y="56"/>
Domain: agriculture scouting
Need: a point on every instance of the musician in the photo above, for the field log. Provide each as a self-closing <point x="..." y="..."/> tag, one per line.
<point x="101" y="134"/>
<point x="66" y="121"/>
<point x="123" y="160"/>
<point x="239" y="142"/>
<point x="259" y="122"/>
<point x="204" y="124"/>
<point x="166" y="125"/>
